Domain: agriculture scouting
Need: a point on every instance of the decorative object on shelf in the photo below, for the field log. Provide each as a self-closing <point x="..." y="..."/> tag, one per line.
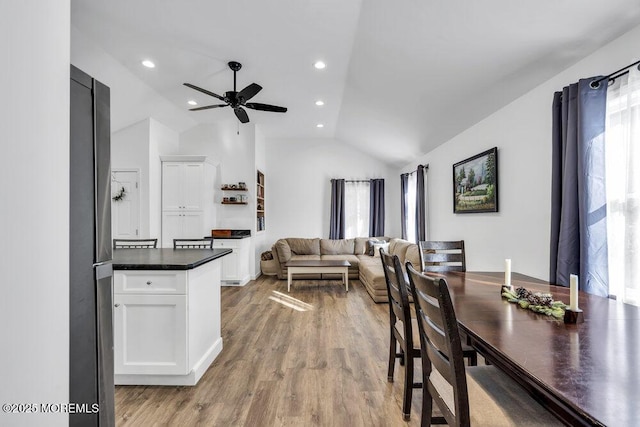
<point x="537" y="302"/>
<point x="119" y="195"/>
<point x="475" y="183"/>
<point x="241" y="186"/>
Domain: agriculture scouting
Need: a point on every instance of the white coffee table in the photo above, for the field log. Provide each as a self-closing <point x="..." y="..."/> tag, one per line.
<point x="318" y="266"/>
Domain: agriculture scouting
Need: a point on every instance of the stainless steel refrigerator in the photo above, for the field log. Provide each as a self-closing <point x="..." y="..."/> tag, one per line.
<point x="91" y="384"/>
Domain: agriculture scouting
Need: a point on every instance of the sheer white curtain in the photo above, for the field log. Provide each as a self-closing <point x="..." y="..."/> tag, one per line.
<point x="356" y="209"/>
<point x="623" y="186"/>
<point x="411" y="208"/>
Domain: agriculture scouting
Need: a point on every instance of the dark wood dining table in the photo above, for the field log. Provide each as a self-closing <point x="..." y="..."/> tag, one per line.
<point x="586" y="373"/>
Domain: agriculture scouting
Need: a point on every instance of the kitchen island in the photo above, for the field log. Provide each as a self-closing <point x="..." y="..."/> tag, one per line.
<point x="166" y="314"/>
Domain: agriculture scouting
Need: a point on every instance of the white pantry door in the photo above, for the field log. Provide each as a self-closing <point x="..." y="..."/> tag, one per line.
<point x="125" y="212"/>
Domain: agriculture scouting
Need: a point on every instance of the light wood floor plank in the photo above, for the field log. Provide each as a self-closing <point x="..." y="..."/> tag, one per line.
<point x="316" y="356"/>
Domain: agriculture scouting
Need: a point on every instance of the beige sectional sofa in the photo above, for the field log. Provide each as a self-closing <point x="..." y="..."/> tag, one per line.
<point x="365" y="267"/>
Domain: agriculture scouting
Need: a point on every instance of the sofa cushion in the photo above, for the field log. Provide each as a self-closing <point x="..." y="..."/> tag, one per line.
<point x="361" y="243"/>
<point x="301" y="246"/>
<point x="305" y="258"/>
<point x="399" y="247"/>
<point x="283" y="251"/>
<point x="336" y="247"/>
<point x="353" y="260"/>
<point x="412" y="255"/>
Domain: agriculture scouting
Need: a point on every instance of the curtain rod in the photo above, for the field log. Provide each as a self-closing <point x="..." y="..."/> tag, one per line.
<point x="614" y="75"/>
<point x="412" y="172"/>
<point x="356" y="180"/>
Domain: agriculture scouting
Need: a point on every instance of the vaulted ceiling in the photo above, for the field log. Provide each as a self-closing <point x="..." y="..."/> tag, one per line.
<point x="402" y="77"/>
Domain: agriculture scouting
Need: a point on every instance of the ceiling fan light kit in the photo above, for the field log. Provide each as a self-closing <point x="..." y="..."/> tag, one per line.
<point x="237" y="100"/>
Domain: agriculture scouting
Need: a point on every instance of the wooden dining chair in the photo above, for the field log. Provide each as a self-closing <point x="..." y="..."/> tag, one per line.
<point x="135" y="243"/>
<point x="205" y="243"/>
<point x="475" y="395"/>
<point x="402" y="332"/>
<point x="438" y="256"/>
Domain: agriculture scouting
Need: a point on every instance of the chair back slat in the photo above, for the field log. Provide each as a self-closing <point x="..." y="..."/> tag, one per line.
<point x="437" y="323"/>
<point x="398" y="291"/>
<point x="135" y="243"/>
<point x="439" y="256"/>
<point x="206" y="243"/>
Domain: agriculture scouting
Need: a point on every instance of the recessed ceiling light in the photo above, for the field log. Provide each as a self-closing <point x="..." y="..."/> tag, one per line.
<point x="149" y="64"/>
<point x="319" y="125"/>
<point x="192" y="102"/>
<point x="319" y="103"/>
<point x="319" y="65"/>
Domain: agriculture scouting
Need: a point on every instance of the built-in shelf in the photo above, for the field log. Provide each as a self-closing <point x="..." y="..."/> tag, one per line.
<point x="233" y="189"/>
<point x="260" y="226"/>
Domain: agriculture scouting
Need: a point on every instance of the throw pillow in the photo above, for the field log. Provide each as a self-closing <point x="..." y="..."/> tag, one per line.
<point x="374" y="245"/>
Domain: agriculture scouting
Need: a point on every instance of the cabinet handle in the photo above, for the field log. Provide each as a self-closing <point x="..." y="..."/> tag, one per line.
<point x="148" y="282"/>
<point x="117" y="305"/>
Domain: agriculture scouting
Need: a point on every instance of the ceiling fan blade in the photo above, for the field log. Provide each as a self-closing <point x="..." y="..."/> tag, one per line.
<point x="241" y="115"/>
<point x="265" y="107"/>
<point x="199" y="89"/>
<point x="208" y="107"/>
<point x="249" y="92"/>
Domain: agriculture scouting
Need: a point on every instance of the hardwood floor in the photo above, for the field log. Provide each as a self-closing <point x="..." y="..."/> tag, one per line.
<point x="314" y="356"/>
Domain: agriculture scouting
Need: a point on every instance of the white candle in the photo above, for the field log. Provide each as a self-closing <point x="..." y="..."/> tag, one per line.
<point x="507" y="272"/>
<point x="573" y="292"/>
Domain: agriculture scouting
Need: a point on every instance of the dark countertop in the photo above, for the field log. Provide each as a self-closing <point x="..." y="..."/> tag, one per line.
<point x="230" y="237"/>
<point x="164" y="259"/>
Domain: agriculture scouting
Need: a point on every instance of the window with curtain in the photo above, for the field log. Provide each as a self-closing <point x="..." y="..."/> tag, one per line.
<point x="410" y="200"/>
<point x="622" y="152"/>
<point x="356" y="209"/>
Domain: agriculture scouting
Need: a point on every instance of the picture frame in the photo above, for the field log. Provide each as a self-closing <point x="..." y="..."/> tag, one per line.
<point x="475" y="183"/>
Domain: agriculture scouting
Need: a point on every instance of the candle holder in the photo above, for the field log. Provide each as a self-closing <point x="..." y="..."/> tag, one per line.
<point x="573" y="317"/>
<point x="509" y="288"/>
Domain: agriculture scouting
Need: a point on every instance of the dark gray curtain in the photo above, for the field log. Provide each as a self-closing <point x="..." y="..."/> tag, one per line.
<point x="578" y="207"/>
<point x="336" y="225"/>
<point x="376" y="207"/>
<point x="404" y="204"/>
<point x="421" y="205"/>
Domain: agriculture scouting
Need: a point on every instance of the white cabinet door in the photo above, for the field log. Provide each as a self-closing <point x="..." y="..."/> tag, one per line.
<point x="150" y="334"/>
<point x="193" y="181"/>
<point x="192" y="223"/>
<point x="172" y="178"/>
<point x="182" y="186"/>
<point x="181" y="225"/>
<point x="171" y="227"/>
<point x="230" y="266"/>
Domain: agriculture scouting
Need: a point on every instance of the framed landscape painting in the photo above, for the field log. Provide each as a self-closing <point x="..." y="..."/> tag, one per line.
<point x="475" y="183"/>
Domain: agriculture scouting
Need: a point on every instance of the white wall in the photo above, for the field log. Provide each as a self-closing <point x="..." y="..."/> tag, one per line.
<point x="131" y="99"/>
<point x="140" y="146"/>
<point x="162" y="141"/>
<point x="34" y="124"/>
<point x="298" y="188"/>
<point x="522" y="133"/>
<point x="130" y="150"/>
<point x="233" y="156"/>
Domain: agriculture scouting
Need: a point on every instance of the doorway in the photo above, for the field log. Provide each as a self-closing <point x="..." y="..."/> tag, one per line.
<point x="125" y="204"/>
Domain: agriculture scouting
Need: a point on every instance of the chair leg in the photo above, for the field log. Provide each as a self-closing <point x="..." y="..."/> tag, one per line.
<point x="392" y="358"/>
<point x="408" y="387"/>
<point x="427" y="408"/>
<point x="403" y="357"/>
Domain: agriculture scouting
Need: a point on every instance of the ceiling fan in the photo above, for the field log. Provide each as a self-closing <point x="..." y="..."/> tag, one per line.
<point x="237" y="100"/>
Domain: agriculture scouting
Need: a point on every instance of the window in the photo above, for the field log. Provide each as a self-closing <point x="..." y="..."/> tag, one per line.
<point x="622" y="153"/>
<point x="356" y="210"/>
<point x="410" y="199"/>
